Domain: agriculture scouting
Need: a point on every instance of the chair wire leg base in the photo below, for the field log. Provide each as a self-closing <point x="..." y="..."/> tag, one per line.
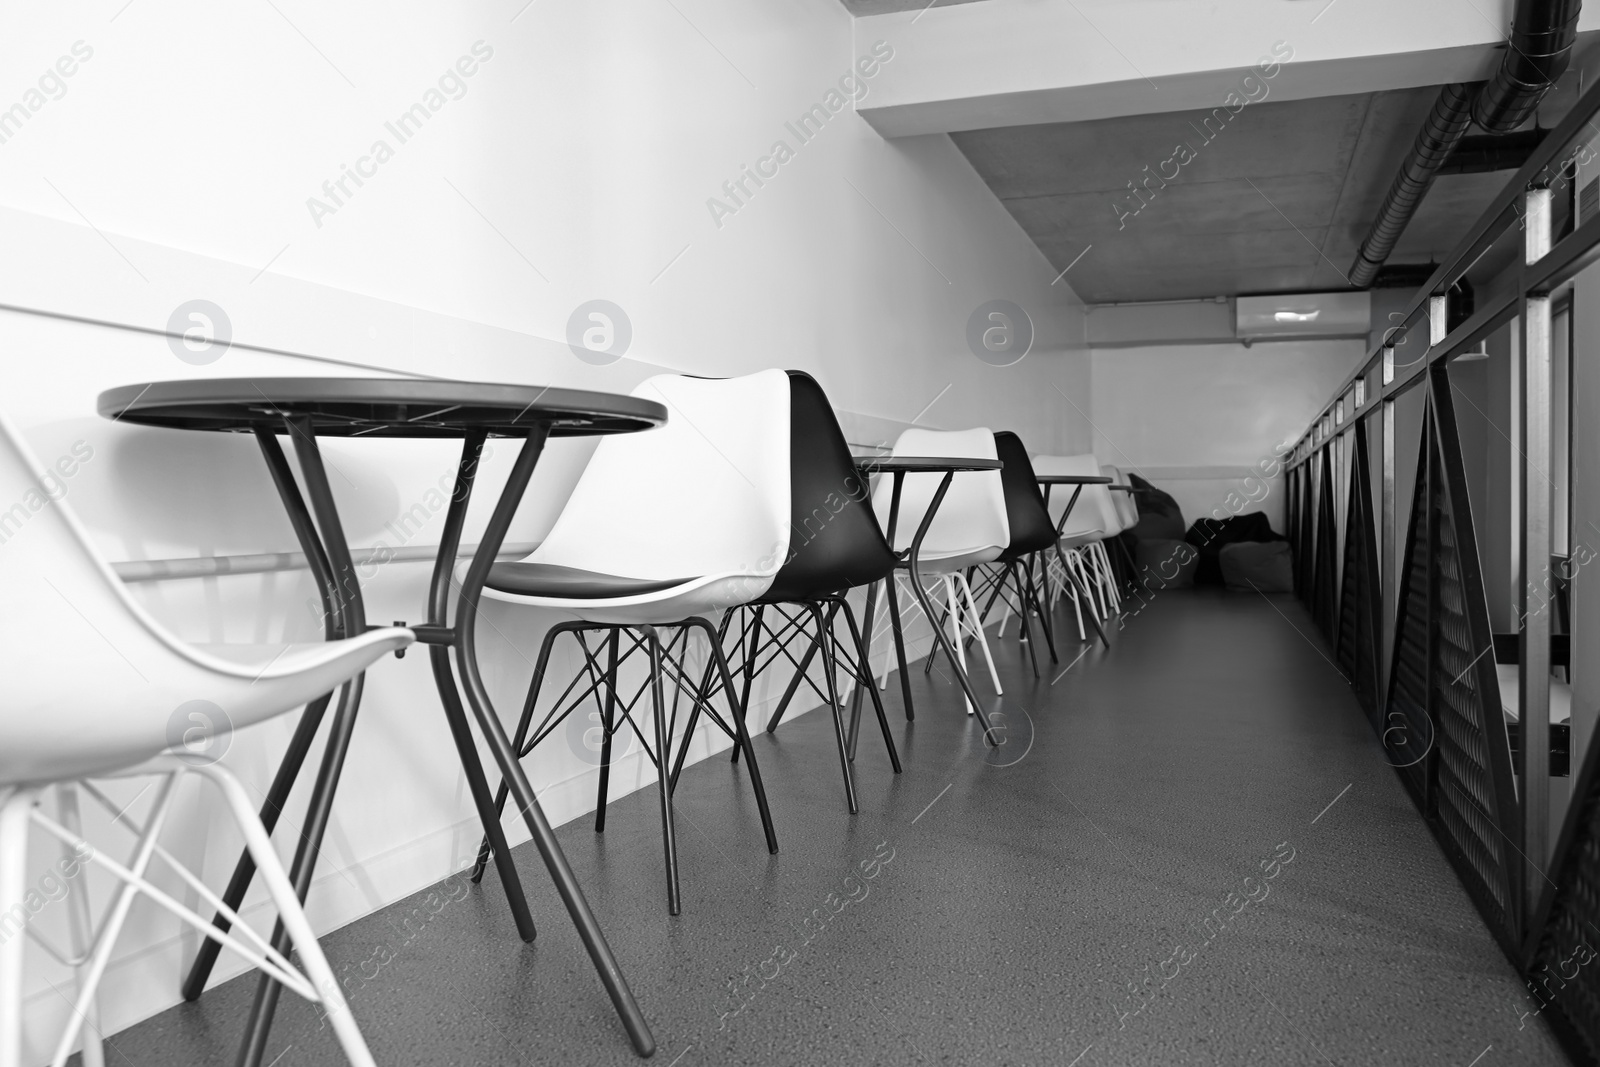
<point x="81" y="929"/>
<point x="742" y="738"/>
<point x="977" y="630"/>
<point x="1082" y="592"/>
<point x="899" y="646"/>
<point x="15" y="806"/>
<point x="864" y="681"/>
<point x="607" y="718"/>
<point x="821" y="622"/>
<point x="486" y="848"/>
<point x="244" y="871"/>
<point x="658" y="710"/>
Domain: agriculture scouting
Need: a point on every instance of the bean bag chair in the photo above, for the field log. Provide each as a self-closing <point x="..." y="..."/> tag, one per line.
<point x="1160" y="518"/>
<point x="1210" y="535"/>
<point x="1257" y="566"/>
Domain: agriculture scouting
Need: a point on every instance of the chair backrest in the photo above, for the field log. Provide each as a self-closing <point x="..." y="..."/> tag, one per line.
<point x="972" y="515"/>
<point x="835" y="542"/>
<point x="705" y="494"/>
<point x="91" y="681"/>
<point x="1087" y="516"/>
<point x="1125" y="502"/>
<point x="1031" y="528"/>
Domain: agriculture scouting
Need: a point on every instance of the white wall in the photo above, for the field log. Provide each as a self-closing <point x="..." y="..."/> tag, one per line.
<point x="1196" y="420"/>
<point x="577" y="164"/>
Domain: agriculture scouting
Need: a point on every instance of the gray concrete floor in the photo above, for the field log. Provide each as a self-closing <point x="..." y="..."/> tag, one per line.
<point x="1095" y="892"/>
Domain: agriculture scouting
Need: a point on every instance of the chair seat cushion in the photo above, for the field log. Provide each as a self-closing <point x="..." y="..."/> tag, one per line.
<point x="570" y="583"/>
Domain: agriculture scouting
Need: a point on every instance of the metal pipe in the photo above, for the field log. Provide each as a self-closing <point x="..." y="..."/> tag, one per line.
<point x="1539" y="49"/>
<point x="1446" y="123"/>
<point x="1542" y="35"/>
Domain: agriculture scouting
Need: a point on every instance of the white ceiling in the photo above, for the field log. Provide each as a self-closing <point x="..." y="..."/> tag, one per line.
<point x="1279" y="201"/>
<point x="1062" y="106"/>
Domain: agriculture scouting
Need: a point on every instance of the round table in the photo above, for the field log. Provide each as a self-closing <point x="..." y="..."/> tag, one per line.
<point x="305" y="409"/>
<point x="1078" y="481"/>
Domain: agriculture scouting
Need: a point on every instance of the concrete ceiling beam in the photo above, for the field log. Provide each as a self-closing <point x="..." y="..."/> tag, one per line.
<point x="1005" y="63"/>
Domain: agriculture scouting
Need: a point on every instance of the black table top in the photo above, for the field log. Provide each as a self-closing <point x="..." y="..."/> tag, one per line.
<point x="1071" y="479"/>
<point x="378" y="407"/>
<point x="923" y="464"/>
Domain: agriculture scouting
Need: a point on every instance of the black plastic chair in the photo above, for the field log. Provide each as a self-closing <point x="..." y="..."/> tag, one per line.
<point x="1032" y="532"/>
<point x="835" y="545"/>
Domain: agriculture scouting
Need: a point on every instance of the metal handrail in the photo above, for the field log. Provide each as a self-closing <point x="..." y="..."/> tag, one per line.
<point x="1567" y="257"/>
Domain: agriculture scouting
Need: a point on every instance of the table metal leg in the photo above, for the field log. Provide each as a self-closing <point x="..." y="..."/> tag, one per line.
<point x="478" y="784"/>
<point x="518" y="741"/>
<point x="922" y="598"/>
<point x="899" y="479"/>
<point x="450" y="696"/>
<point x="310" y="719"/>
<point x="900" y="645"/>
<point x="259" y="1024"/>
<point x="347" y="595"/>
<point x="511" y="768"/>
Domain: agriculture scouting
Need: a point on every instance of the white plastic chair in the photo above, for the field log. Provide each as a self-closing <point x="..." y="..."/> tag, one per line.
<point x="969" y="529"/>
<point x="687" y="518"/>
<point x="1086" y="527"/>
<point x="663" y="527"/>
<point x="95" y="687"/>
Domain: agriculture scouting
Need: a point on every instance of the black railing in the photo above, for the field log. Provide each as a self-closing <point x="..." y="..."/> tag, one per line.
<point x="1440" y="720"/>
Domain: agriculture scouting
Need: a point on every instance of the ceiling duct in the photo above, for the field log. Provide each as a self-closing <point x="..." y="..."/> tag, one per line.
<point x="1482" y="155"/>
<point x="1404" y="275"/>
<point x="1542" y="33"/>
<point x="1449" y="119"/>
